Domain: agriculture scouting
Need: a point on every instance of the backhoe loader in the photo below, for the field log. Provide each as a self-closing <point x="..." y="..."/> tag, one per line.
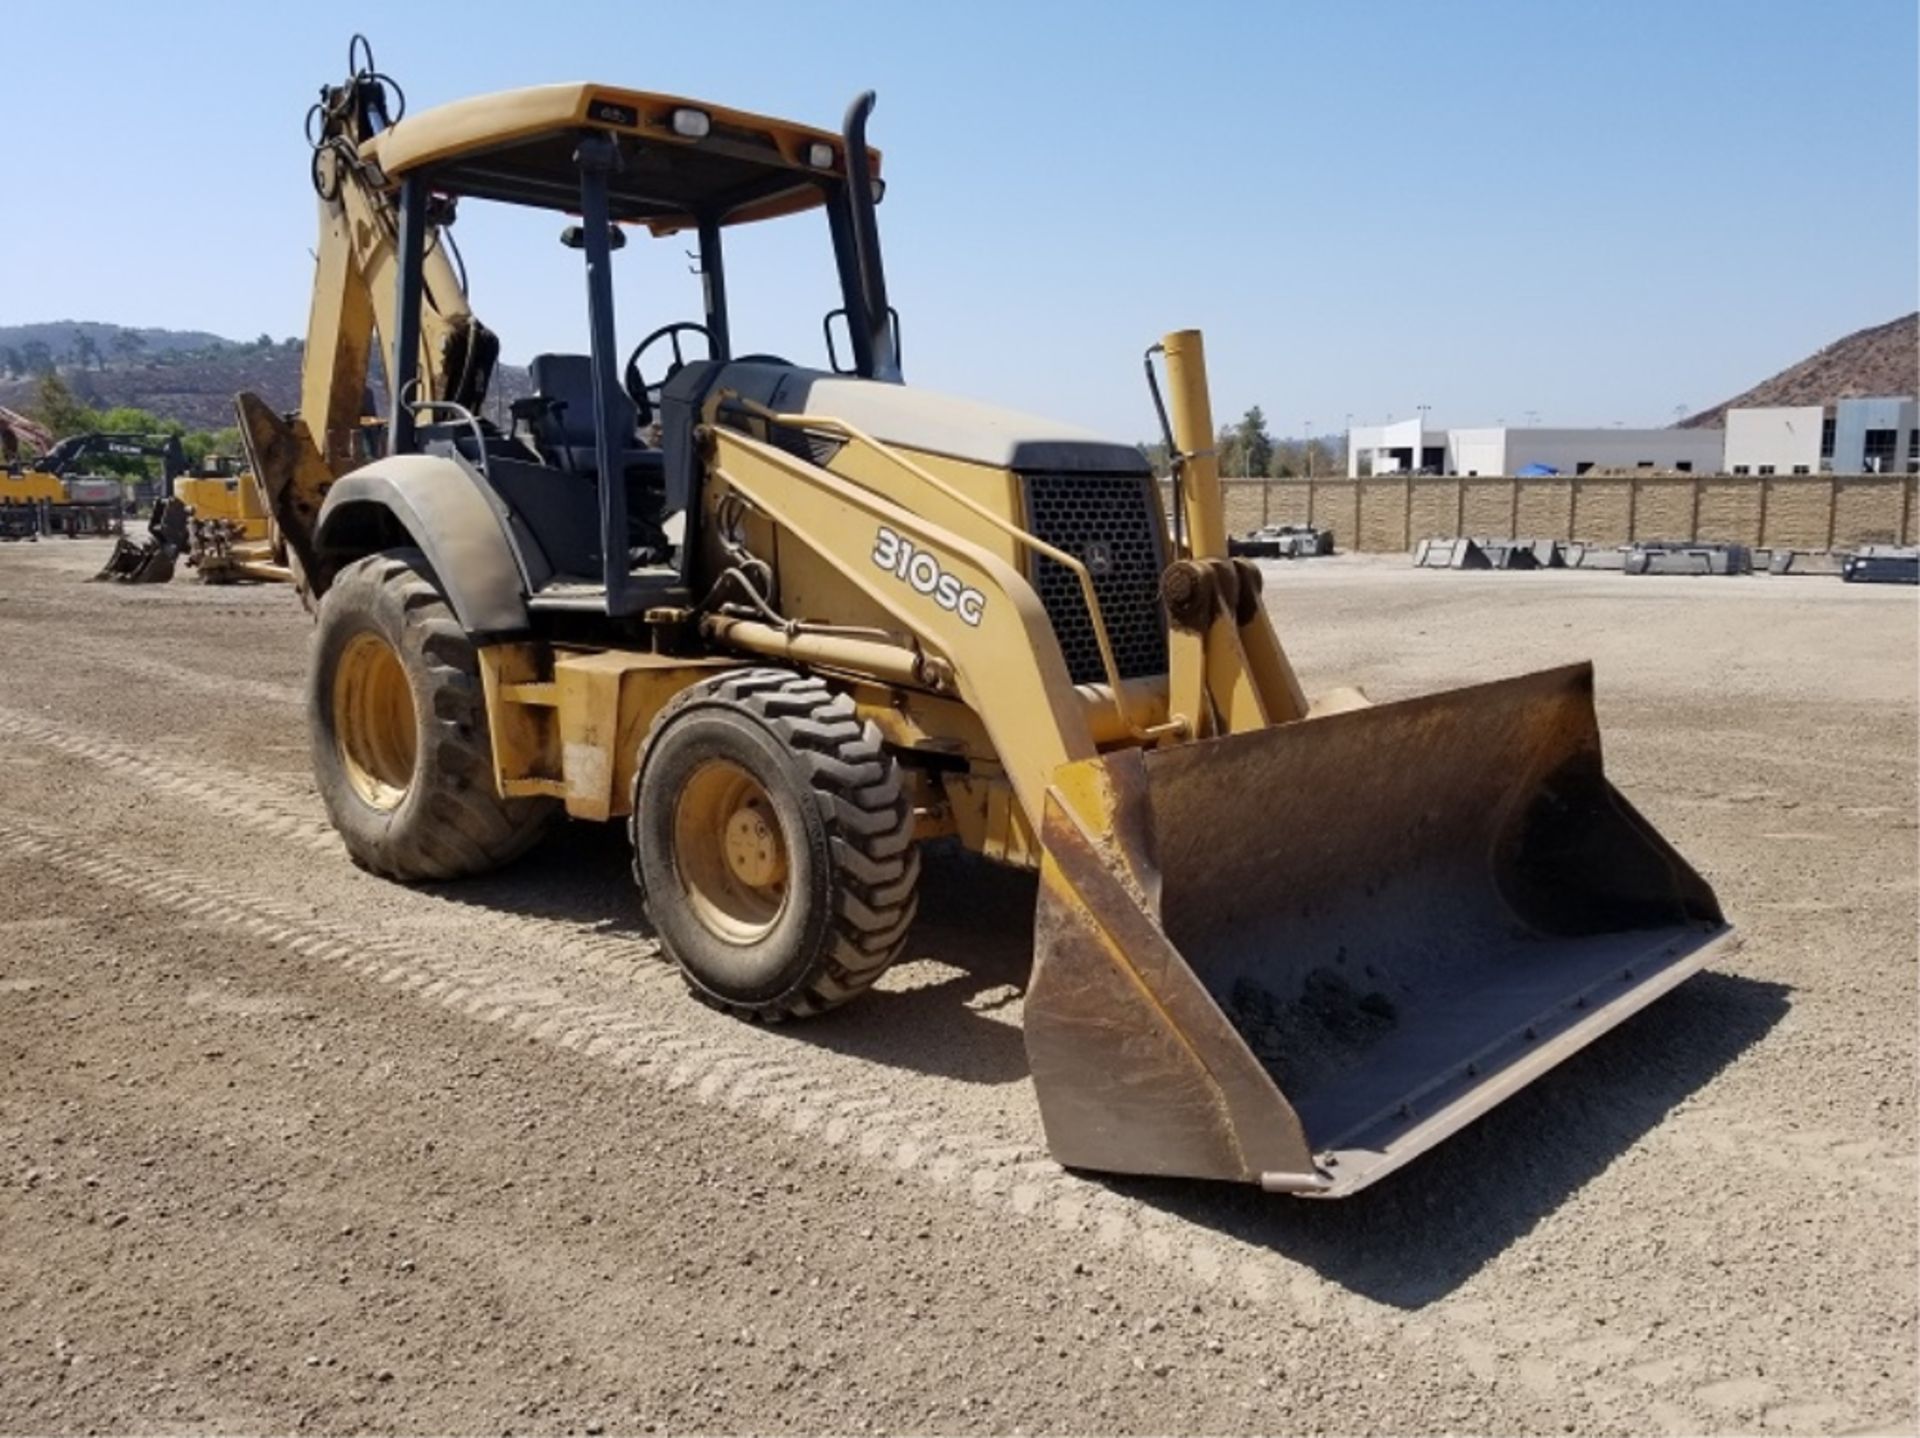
<point x="789" y="623"/>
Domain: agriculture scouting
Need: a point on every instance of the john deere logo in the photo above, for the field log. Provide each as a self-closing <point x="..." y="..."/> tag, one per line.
<point x="1098" y="558"/>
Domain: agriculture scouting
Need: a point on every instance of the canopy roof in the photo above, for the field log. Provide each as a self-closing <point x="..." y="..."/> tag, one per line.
<point x="518" y="145"/>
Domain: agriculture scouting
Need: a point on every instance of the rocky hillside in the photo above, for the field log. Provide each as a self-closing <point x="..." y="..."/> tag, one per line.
<point x="1881" y="360"/>
<point x="197" y="391"/>
<point x="181" y="375"/>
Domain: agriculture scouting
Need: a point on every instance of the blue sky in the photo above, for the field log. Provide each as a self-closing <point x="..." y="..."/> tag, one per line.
<point x="1593" y="213"/>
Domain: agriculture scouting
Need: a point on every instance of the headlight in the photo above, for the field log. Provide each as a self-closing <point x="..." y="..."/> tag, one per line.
<point x="693" y="124"/>
<point x="820" y="156"/>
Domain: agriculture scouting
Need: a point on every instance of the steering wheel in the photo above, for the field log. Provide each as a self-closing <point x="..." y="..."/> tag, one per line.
<point x="646" y="397"/>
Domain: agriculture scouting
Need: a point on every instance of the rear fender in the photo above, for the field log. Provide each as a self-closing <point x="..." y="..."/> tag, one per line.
<point x="433" y="505"/>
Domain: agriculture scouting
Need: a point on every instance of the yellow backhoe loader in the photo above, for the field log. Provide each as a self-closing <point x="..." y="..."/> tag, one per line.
<point x="824" y="616"/>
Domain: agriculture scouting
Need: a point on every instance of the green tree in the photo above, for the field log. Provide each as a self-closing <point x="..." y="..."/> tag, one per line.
<point x="37" y="357"/>
<point x="129" y="345"/>
<point x="11" y="362"/>
<point x="1255" y="445"/>
<point x="56" y="407"/>
<point x="1227" y="451"/>
<point x="84" y="349"/>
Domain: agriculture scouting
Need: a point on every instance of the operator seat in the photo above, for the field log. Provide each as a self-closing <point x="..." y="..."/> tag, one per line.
<point x="564" y="429"/>
<point x="563" y="432"/>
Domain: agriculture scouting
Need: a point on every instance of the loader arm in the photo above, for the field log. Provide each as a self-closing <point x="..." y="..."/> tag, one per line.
<point x="1306" y="999"/>
<point x="996" y="642"/>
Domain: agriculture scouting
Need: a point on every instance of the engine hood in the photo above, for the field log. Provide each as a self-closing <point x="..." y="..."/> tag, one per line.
<point x="933" y="423"/>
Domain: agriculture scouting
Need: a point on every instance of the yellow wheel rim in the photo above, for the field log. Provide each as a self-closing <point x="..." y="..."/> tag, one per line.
<point x="373" y="721"/>
<point x="729" y="852"/>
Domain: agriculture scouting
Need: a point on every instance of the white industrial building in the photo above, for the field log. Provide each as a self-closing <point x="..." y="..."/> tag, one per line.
<point x="1875" y="435"/>
<point x="1783" y="440"/>
<point x="1501" y="449"/>
<point x="1878" y="434"/>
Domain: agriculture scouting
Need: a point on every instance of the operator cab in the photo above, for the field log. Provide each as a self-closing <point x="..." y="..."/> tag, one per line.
<point x="594" y="474"/>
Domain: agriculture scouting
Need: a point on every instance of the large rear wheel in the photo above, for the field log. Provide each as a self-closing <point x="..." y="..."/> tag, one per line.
<point x="773" y="844"/>
<point x="401" y="752"/>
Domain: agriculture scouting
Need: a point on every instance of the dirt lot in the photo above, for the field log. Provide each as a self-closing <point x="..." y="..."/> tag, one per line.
<point x="285" y="1147"/>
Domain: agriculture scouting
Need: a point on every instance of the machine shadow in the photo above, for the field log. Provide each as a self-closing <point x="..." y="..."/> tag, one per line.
<point x="967" y="957"/>
<point x="1427" y="1229"/>
<point x="578" y="875"/>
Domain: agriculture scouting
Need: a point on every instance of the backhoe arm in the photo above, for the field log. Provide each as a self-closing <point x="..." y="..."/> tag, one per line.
<point x="356" y="298"/>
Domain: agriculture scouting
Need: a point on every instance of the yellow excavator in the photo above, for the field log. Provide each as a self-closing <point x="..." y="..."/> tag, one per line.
<point x="789" y="623"/>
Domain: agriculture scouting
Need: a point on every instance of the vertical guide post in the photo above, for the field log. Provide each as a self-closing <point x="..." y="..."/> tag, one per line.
<point x="406" y="339"/>
<point x="596" y="159"/>
<point x="1193" y="437"/>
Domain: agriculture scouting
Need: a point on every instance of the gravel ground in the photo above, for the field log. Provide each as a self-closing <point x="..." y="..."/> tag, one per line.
<point x="285" y="1147"/>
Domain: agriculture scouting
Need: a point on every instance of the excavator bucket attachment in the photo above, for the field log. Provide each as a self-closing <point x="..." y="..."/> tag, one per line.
<point x="139" y="561"/>
<point x="151" y="558"/>
<point x="1300" y="957"/>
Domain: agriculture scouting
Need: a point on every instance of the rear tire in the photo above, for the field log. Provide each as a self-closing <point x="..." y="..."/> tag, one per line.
<point x="773" y="844"/>
<point x="401" y="752"/>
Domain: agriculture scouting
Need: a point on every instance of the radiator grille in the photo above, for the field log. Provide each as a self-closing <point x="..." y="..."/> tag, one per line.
<point x="1108" y="522"/>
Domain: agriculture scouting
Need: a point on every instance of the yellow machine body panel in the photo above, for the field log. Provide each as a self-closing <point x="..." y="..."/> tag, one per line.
<point x="234" y="501"/>
<point x="568" y="724"/>
<point x="31" y="487"/>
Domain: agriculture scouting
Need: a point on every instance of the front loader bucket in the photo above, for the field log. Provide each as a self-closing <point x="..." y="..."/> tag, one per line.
<point x="1302" y="956"/>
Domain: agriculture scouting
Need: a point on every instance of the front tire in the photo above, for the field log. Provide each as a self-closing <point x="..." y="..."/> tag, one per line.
<point x="773" y="844"/>
<point x="401" y="752"/>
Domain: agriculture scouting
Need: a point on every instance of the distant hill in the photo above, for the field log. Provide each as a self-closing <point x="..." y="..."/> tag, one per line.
<point x="60" y="335"/>
<point x="1877" y="361"/>
<point x="184" y="375"/>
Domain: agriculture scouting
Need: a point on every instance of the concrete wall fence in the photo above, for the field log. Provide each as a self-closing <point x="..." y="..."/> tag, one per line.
<point x="1395" y="512"/>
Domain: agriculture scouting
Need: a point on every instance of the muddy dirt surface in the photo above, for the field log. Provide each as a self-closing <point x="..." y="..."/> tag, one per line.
<point x="284" y="1147"/>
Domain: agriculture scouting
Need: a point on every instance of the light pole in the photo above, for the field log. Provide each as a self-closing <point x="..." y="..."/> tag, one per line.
<point x="1420" y="449"/>
<point x="1307" y="449"/>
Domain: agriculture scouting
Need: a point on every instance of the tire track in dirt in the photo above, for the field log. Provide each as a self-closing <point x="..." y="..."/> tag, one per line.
<point x="784" y="1088"/>
<point x="130" y="657"/>
<point x="690" y="1066"/>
